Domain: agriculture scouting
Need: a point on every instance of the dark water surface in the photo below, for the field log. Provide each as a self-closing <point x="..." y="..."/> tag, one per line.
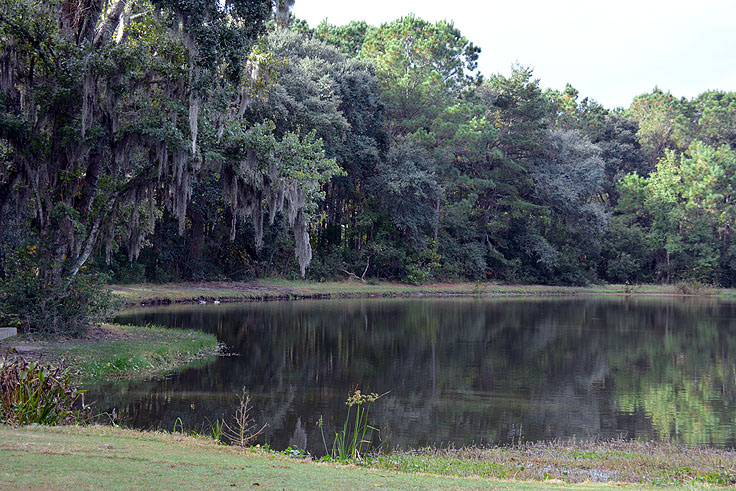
<point x="459" y="371"/>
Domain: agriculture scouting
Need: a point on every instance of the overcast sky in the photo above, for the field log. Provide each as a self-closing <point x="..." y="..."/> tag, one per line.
<point x="609" y="51"/>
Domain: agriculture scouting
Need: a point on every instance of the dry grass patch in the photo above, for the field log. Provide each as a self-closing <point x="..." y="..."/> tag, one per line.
<point x="617" y="461"/>
<point x="274" y="289"/>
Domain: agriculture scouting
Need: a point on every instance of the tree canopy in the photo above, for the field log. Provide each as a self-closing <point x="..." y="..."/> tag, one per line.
<point x="127" y="124"/>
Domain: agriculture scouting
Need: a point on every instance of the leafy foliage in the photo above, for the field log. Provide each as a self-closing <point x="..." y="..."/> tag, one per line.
<point x="372" y="148"/>
<point x="112" y="112"/>
<point x="34" y="393"/>
<point x="46" y="308"/>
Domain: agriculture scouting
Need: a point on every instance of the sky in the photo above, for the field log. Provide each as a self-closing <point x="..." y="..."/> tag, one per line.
<point x="610" y="51"/>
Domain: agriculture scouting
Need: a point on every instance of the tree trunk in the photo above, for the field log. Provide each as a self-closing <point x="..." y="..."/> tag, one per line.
<point x="196" y="243"/>
<point x="151" y="266"/>
<point x="436" y="218"/>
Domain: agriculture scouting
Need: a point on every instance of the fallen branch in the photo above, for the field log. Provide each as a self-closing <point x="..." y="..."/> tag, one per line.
<point x="362" y="277"/>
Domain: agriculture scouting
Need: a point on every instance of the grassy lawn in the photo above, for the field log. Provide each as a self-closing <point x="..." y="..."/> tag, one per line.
<point x="110" y="458"/>
<point x="110" y="352"/>
<point x="286" y="289"/>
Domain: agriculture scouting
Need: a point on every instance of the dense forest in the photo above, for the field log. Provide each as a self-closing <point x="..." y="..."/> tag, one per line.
<point x="160" y="140"/>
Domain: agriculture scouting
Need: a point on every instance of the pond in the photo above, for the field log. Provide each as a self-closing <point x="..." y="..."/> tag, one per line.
<point x="457" y="370"/>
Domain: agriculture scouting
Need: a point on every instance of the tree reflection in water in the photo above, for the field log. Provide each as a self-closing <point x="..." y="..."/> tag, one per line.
<point x="458" y="370"/>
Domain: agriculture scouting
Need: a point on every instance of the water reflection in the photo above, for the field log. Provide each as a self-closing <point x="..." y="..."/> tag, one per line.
<point x="458" y="370"/>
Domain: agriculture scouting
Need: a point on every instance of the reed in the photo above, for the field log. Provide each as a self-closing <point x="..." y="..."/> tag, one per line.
<point x="354" y="441"/>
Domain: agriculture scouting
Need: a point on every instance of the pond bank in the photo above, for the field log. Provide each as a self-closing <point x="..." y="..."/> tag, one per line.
<point x="105" y="457"/>
<point x="263" y="290"/>
<point x="111" y="352"/>
<point x="160" y="460"/>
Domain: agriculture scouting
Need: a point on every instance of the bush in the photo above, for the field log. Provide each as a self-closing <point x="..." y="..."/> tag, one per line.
<point x="41" y="307"/>
<point x="32" y="392"/>
<point x="327" y="266"/>
<point x="421" y="268"/>
<point x="690" y="287"/>
<point x="622" y="268"/>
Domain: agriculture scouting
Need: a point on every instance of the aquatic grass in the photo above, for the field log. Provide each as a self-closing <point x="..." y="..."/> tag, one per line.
<point x="216" y="430"/>
<point x="619" y="460"/>
<point x="355" y="440"/>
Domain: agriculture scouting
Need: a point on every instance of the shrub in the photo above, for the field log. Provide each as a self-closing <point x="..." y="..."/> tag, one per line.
<point x="31" y="392"/>
<point x="327" y="266"/>
<point x="421" y="268"/>
<point x="243" y="429"/>
<point x="690" y="287"/>
<point x="42" y="307"/>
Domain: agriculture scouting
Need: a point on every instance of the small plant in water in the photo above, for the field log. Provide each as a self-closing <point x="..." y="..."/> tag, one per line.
<point x="354" y="441"/>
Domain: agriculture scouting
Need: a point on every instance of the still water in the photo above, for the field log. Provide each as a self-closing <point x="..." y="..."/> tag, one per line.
<point x="457" y="371"/>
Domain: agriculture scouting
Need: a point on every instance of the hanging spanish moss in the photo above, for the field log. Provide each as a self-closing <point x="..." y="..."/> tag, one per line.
<point x="124" y="134"/>
<point x="261" y="186"/>
<point x="89" y="94"/>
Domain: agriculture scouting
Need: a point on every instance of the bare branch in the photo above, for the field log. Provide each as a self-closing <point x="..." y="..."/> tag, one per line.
<point x="362" y="277"/>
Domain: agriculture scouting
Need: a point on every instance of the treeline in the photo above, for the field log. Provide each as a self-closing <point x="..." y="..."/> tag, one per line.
<point x="209" y="128"/>
<point x="449" y="175"/>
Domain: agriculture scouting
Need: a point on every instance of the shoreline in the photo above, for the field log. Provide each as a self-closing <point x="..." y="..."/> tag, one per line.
<point x="285" y="290"/>
<point x="581" y="465"/>
<point x="111" y="352"/>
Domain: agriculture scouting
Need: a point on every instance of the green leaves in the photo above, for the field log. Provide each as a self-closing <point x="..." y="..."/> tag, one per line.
<point x="217" y="33"/>
<point x="687" y="206"/>
<point x="420" y="65"/>
<point x="34" y="393"/>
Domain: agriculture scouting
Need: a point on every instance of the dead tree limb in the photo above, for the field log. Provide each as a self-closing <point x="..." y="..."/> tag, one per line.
<point x="362" y="277"/>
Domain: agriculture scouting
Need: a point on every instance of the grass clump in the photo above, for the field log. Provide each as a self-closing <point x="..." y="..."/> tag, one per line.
<point x="36" y="393"/>
<point x="355" y="439"/>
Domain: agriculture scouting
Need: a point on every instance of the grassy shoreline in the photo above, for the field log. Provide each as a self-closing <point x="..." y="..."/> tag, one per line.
<point x="263" y="290"/>
<point x="112" y="352"/>
<point x="106" y="457"/>
<point x="75" y="457"/>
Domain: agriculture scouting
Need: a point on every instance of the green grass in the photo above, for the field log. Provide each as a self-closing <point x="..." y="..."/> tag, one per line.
<point x="143" y="352"/>
<point x="286" y="289"/>
<point x="113" y="352"/>
<point x="111" y="458"/>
